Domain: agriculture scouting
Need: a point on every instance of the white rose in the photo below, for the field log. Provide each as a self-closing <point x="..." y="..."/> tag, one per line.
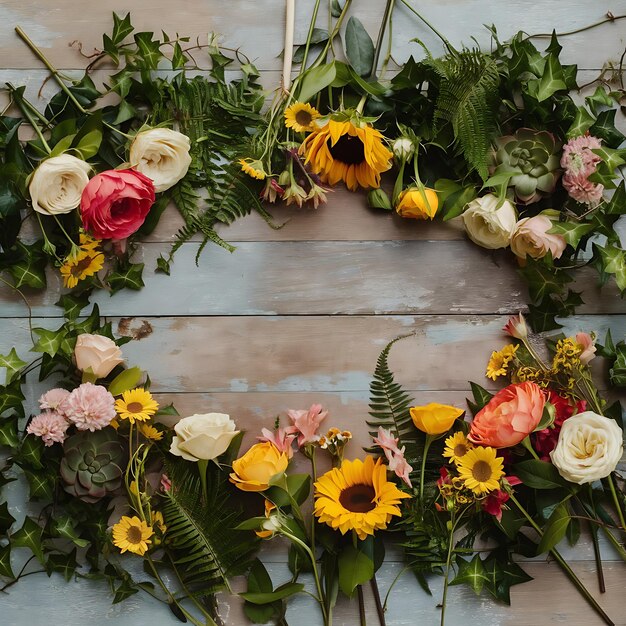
<point x="162" y="155"/>
<point x="589" y="448"/>
<point x="203" y="436"/>
<point x="97" y="354"/>
<point x="488" y="224"/>
<point x="57" y="184"/>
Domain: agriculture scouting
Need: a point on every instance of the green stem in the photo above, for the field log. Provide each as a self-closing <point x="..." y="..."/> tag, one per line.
<point x="613" y="18"/>
<point x="74" y="247"/>
<point x="202" y="470"/>
<point x="30" y="311"/>
<point x="362" y="619"/>
<point x="620" y="512"/>
<point x="307" y="45"/>
<point x="429" y="439"/>
<point x="381" y="34"/>
<point x="446" y="582"/>
<point x="20" y="102"/>
<point x="529" y="446"/>
<point x="566" y="568"/>
<point x="446" y="43"/>
<point x="393" y="584"/>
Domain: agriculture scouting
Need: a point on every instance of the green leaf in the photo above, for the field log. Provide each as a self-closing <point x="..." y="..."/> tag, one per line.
<point x="259" y="581"/>
<point x="359" y="47"/>
<point x="502" y="576"/>
<point x="128" y="278"/>
<point x="179" y="58"/>
<point x="453" y="197"/>
<point x="64" y="564"/>
<point x="611" y="157"/>
<point x="64" y="527"/>
<point x="12" y="363"/>
<point x="31" y="452"/>
<point x="613" y="262"/>
<point x="29" y="272"/>
<point x="124" y="381"/>
<point x="49" y="341"/>
<point x="125" y="112"/>
<point x="315" y="80"/>
<point x="555" y="530"/>
<point x="336" y="6"/>
<point x="121" y="28"/>
<point x="539" y="475"/>
<point x="284" y="591"/>
<point x="62" y="145"/>
<point x="355" y="568"/>
<point x="8" y="431"/>
<point x="149" y="50"/>
<point x="73" y="304"/>
<point x="39" y="484"/>
<point x="604" y="128"/>
<point x="481" y="397"/>
<point x="318" y="36"/>
<point x="163" y="265"/>
<point x="89" y="145"/>
<point x="5" y="562"/>
<point x="471" y="573"/>
<point x="6" y="519"/>
<point x="581" y="124"/>
<point x="572" y="232"/>
<point x="617" y="204"/>
<point x="551" y="81"/>
<point x="29" y="536"/>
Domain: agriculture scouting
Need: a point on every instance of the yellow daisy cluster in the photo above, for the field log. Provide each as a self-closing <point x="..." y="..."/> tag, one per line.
<point x="138" y="405"/>
<point x="499" y="361"/>
<point x="335" y="441"/>
<point x="86" y="260"/>
<point x="567" y="354"/>
<point x="357" y="496"/>
<point x="457" y="446"/>
<point x="253" y="168"/>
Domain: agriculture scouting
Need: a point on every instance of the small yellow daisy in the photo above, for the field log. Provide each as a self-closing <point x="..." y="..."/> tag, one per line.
<point x="150" y="432"/>
<point x="132" y="534"/>
<point x="136" y="405"/>
<point x="481" y="470"/>
<point x="158" y="521"/>
<point x="499" y="361"/>
<point x="253" y="168"/>
<point x="301" y="116"/>
<point x="457" y="447"/>
<point x="81" y="265"/>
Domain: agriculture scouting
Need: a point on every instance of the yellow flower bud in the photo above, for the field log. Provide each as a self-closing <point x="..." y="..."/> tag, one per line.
<point x="419" y="204"/>
<point x="435" y="418"/>
<point x="252" y="471"/>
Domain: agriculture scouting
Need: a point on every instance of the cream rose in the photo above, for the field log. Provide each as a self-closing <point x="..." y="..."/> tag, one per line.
<point x="97" y="354"/>
<point x="57" y="184"/>
<point x="531" y="238"/>
<point x="589" y="448"/>
<point x="203" y="436"/>
<point x="161" y="154"/>
<point x="488" y="224"/>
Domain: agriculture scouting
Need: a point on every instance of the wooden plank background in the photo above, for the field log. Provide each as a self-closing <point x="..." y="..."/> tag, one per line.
<point x="300" y="314"/>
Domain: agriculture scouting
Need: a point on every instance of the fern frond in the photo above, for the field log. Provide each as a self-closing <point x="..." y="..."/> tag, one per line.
<point x="468" y="100"/>
<point x="200" y="537"/>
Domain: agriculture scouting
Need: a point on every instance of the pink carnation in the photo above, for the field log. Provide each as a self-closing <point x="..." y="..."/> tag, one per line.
<point x="578" y="157"/>
<point x="90" y="407"/>
<point x="54" y="400"/>
<point x="579" y="187"/>
<point x="50" y="426"/>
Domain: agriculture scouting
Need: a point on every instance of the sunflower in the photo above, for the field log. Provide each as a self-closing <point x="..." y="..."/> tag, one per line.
<point x="253" y="168"/>
<point x="76" y="267"/>
<point x="132" y="534"/>
<point x="347" y="149"/>
<point x="87" y="242"/>
<point x="136" y="405"/>
<point x="357" y="496"/>
<point x="499" y="361"/>
<point x="481" y="470"/>
<point x="457" y="447"/>
<point x="300" y="116"/>
<point x="150" y="432"/>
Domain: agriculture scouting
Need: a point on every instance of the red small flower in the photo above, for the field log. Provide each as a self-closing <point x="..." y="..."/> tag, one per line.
<point x="492" y="504"/>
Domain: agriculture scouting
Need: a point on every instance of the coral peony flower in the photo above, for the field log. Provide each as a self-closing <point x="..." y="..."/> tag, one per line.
<point x="307" y="423"/>
<point x="435" y="418"/>
<point x="115" y="203"/>
<point x="54" y="400"/>
<point x="282" y="438"/>
<point x="90" y="407"/>
<point x="50" y="426"/>
<point x="509" y="417"/>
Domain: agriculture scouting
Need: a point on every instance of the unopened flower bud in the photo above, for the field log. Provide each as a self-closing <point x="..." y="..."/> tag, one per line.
<point x="378" y="199"/>
<point x="403" y="148"/>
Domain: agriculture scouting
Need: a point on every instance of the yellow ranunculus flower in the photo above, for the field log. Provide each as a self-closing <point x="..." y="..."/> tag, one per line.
<point x="435" y="418"/>
<point x="252" y="471"/>
<point x="416" y="204"/>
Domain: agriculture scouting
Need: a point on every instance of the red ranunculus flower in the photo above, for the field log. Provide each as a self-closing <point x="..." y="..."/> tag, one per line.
<point x="115" y="203"/>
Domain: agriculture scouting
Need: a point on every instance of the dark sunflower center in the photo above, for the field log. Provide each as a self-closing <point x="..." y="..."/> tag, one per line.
<point x="481" y="471"/>
<point x="358" y="498"/>
<point x="459" y="450"/>
<point x="134" y="407"/>
<point x="348" y="150"/>
<point x="304" y="118"/>
<point x="81" y="266"/>
<point x="133" y="534"/>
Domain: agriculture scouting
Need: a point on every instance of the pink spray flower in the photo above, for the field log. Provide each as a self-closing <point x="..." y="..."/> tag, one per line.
<point x="516" y="327"/>
<point x="54" y="400"/>
<point x="395" y="456"/>
<point x="579" y="187"/>
<point x="589" y="349"/>
<point x="90" y="407"/>
<point x="386" y="440"/>
<point x="307" y="423"/>
<point x="492" y="504"/>
<point x="578" y="157"/>
<point x="50" y="426"/>
<point x="282" y="438"/>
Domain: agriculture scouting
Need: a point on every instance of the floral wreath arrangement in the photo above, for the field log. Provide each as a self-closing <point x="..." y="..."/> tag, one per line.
<point x="493" y="137"/>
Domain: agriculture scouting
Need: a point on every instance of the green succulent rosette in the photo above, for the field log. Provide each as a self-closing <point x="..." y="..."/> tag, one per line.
<point x="93" y="464"/>
<point x="532" y="158"/>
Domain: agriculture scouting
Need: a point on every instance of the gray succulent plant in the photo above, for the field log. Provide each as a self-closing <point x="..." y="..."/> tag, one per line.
<point x="93" y="464"/>
<point x="533" y="159"/>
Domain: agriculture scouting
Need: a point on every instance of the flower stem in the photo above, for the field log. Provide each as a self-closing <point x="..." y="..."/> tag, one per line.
<point x="21" y="104"/>
<point x="307" y="44"/>
<point x="620" y="512"/>
<point x="381" y="34"/>
<point x="446" y="43"/>
<point x="427" y="442"/>
<point x="446" y="579"/>
<point x="379" y="606"/>
<point x="566" y="568"/>
<point x="290" y="13"/>
<point x="362" y="618"/>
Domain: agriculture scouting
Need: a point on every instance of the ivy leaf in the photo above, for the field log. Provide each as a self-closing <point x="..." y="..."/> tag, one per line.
<point x="617" y="203"/>
<point x="471" y="573"/>
<point x="64" y="564"/>
<point x="611" y="157"/>
<point x="149" y="50"/>
<point x="12" y="363"/>
<point x="11" y="397"/>
<point x="39" y="484"/>
<point x="502" y="576"/>
<point x="30" y="271"/>
<point x="64" y="527"/>
<point x="129" y="278"/>
<point x="551" y="81"/>
<point x="121" y="28"/>
<point x="31" y="452"/>
<point x="6" y="519"/>
<point x="359" y="47"/>
<point x="163" y="265"/>
<point x="600" y="98"/>
<point x="111" y="49"/>
<point x="581" y="124"/>
<point x="572" y="232"/>
<point x="613" y="262"/>
<point x="543" y="279"/>
<point x="5" y="562"/>
<point x="604" y="128"/>
<point x="125" y="112"/>
<point x="29" y="536"/>
<point x="8" y="432"/>
<point x="73" y="304"/>
<point x="179" y="58"/>
<point x="49" y="341"/>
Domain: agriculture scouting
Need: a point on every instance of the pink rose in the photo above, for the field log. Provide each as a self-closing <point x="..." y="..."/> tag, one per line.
<point x="531" y="238"/>
<point x="509" y="417"/>
<point x="115" y="203"/>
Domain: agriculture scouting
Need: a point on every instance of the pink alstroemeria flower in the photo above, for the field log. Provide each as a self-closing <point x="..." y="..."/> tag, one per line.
<point x="281" y="438"/>
<point x="516" y="327"/>
<point x="307" y="423"/>
<point x="492" y="504"/>
<point x="589" y="349"/>
<point x="395" y="456"/>
<point x="387" y="441"/>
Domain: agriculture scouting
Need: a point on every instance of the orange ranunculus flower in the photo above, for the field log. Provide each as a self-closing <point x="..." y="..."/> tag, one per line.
<point x="418" y="204"/>
<point x="252" y="471"/>
<point x="435" y="418"/>
<point x="509" y="417"/>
